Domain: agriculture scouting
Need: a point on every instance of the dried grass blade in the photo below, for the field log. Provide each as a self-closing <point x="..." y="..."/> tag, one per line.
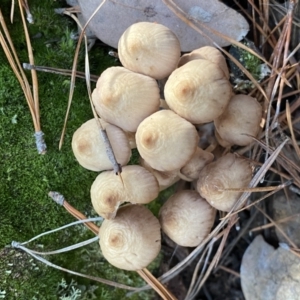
<point x="109" y="151"/>
<point x="33" y="72"/>
<point x="59" y="71"/>
<point x="14" y="62"/>
<point x="72" y="84"/>
<point x="12" y="10"/>
<point x="283" y="220"/>
<point x="156" y="285"/>
<point x="289" y="120"/>
<point x="273" y="191"/>
<point x="258" y="176"/>
<point x="277" y="227"/>
<point x="48" y="263"/>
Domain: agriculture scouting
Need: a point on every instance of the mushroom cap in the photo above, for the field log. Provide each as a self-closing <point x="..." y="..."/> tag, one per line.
<point x="149" y="48"/>
<point x="125" y="98"/>
<point x="222" y="142"/>
<point x="108" y="191"/>
<point x="186" y="218"/>
<point x="198" y="91"/>
<point x="227" y="172"/>
<point x="190" y="171"/>
<point x="90" y="150"/>
<point x="242" y="116"/>
<point x="132" y="240"/>
<point x="209" y="53"/>
<point x="166" y="141"/>
<point x="165" y="179"/>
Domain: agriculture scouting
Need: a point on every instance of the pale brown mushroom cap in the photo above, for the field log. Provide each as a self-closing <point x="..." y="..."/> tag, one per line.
<point x="209" y="53"/>
<point x="125" y="98"/>
<point x="186" y="218"/>
<point x="228" y="172"/>
<point x="165" y="179"/>
<point x="191" y="170"/>
<point x="242" y="116"/>
<point x="132" y="240"/>
<point x="109" y="191"/>
<point x="90" y="150"/>
<point x="198" y="91"/>
<point x="166" y="141"/>
<point x="150" y="49"/>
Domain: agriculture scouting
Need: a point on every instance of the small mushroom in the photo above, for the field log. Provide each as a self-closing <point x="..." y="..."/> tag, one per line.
<point x="150" y="49"/>
<point x="198" y="91"/>
<point x="239" y="122"/>
<point x="209" y="53"/>
<point x="132" y="240"/>
<point x="166" y="141"/>
<point x="125" y="98"/>
<point x="186" y="218"/>
<point x="217" y="178"/>
<point x="136" y="185"/>
<point x="90" y="149"/>
<point x="190" y="171"/>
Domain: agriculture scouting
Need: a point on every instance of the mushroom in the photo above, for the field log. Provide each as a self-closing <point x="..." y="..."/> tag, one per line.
<point x="125" y="98"/>
<point x="165" y="179"/>
<point x="217" y="178"/>
<point x="239" y="122"/>
<point x="198" y="91"/>
<point x="90" y="149"/>
<point x="209" y="53"/>
<point x="190" y="171"/>
<point x="166" y="141"/>
<point x="132" y="240"/>
<point x="186" y="218"/>
<point x="150" y="49"/>
<point x="108" y="191"/>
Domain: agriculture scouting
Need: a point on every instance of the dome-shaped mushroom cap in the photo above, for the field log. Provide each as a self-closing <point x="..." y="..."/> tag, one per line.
<point x="132" y="240"/>
<point x="108" y="191"/>
<point x="125" y="98"/>
<point x="150" y="49"/>
<point x="186" y="218"/>
<point x="90" y="150"/>
<point x="190" y="171"/>
<point x="198" y="91"/>
<point x="165" y="179"/>
<point x="209" y="53"/>
<point x="166" y="141"/>
<point x="228" y="172"/>
<point x="242" y="116"/>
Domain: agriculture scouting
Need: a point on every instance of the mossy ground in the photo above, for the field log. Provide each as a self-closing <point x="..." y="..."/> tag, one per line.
<point x="27" y="177"/>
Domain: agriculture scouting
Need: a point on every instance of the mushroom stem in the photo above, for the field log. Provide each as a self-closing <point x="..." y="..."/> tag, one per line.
<point x="212" y="147"/>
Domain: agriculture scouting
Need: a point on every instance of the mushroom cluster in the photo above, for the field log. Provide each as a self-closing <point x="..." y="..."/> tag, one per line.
<point x="197" y="91"/>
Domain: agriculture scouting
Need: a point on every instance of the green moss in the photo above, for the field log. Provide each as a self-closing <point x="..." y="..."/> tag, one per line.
<point x="252" y="63"/>
<point x="27" y="177"/>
